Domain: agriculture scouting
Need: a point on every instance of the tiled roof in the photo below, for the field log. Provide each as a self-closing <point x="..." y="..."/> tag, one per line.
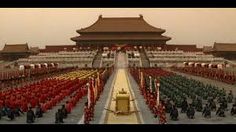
<point x="15" y="48"/>
<point x="57" y="48"/>
<point x="224" y="47"/>
<point x="121" y="24"/>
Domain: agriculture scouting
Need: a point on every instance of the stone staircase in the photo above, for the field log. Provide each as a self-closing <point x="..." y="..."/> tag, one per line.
<point x="144" y="59"/>
<point x="7" y="63"/>
<point x="97" y="60"/>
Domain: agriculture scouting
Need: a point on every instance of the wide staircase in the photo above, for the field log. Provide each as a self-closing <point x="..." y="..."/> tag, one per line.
<point x="144" y="59"/>
<point x="97" y="60"/>
<point x="3" y="64"/>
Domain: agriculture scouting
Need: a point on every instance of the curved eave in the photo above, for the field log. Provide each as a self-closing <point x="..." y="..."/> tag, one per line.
<point x="82" y="31"/>
<point x="75" y="39"/>
<point x="160" y="29"/>
<point x="147" y="27"/>
<point x="18" y="52"/>
<point x="167" y="38"/>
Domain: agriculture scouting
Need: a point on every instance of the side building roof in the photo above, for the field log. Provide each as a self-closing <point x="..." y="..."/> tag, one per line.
<point x="224" y="47"/>
<point x="15" y="48"/>
<point x="57" y="48"/>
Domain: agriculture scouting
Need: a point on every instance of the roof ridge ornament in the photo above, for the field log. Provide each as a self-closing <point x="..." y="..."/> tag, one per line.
<point x="100" y="17"/>
<point x="141" y="16"/>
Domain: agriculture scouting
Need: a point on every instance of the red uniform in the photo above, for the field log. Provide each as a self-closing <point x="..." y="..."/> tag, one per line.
<point x="162" y="114"/>
<point x="1" y="103"/>
<point x="86" y="115"/>
<point x="68" y="107"/>
<point x="33" y="103"/>
<point x="91" y="112"/>
<point x="24" y="106"/>
<point x="45" y="107"/>
<point x="49" y="104"/>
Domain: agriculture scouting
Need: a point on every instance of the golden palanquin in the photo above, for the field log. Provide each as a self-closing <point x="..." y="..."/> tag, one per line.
<point x="123" y="103"/>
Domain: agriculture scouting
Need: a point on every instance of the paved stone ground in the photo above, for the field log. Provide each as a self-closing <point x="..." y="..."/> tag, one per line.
<point x="99" y="113"/>
<point x="147" y="116"/>
<point x="73" y="118"/>
<point x="199" y="119"/>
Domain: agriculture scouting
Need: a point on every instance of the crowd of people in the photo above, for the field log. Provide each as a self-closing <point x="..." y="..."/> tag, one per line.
<point x="46" y="92"/>
<point x="43" y="95"/>
<point x="14" y="78"/>
<point x="94" y="92"/>
<point x="178" y="92"/>
<point x="189" y="95"/>
<point x="148" y="79"/>
<point x="211" y="73"/>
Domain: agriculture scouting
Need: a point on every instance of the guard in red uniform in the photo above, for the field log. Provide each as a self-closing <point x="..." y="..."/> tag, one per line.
<point x="1" y="103"/>
<point x="162" y="114"/>
<point x="24" y="106"/>
<point x="68" y="107"/>
<point x="86" y="114"/>
<point x="50" y="104"/>
<point x="44" y="107"/>
<point x="91" y="112"/>
<point x="33" y="103"/>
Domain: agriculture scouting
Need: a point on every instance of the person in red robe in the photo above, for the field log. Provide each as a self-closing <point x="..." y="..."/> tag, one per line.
<point x="74" y="101"/>
<point x="162" y="114"/>
<point x="78" y="95"/>
<point x="68" y="107"/>
<point x="91" y="112"/>
<point x="24" y="106"/>
<point x="12" y="103"/>
<point x="50" y="104"/>
<point x="86" y="114"/>
<point x="33" y="102"/>
<point x="54" y="102"/>
<point x="1" y="103"/>
<point x="58" y="98"/>
<point x="45" y="107"/>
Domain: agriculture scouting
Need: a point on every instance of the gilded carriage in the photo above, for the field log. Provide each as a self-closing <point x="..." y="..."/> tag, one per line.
<point x="122" y="102"/>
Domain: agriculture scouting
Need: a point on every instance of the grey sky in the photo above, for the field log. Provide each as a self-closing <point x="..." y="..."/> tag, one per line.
<point x="55" y="26"/>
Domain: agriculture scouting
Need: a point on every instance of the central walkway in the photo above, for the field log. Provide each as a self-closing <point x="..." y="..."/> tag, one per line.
<point x="111" y="118"/>
<point x="121" y="81"/>
<point x="106" y="104"/>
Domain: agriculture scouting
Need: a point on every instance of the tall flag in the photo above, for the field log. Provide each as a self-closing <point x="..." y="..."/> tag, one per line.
<point x="150" y="84"/>
<point x="92" y="91"/>
<point x="89" y="94"/>
<point x="141" y="80"/>
<point x="94" y="86"/>
<point x="146" y="78"/>
<point x="139" y="75"/>
<point x="98" y="83"/>
<point x="153" y="85"/>
<point x="157" y="91"/>
<point x="98" y="78"/>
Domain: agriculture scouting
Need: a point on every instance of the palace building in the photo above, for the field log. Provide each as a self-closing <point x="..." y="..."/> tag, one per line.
<point x="120" y="32"/>
<point x="15" y="51"/>
<point x="226" y="50"/>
